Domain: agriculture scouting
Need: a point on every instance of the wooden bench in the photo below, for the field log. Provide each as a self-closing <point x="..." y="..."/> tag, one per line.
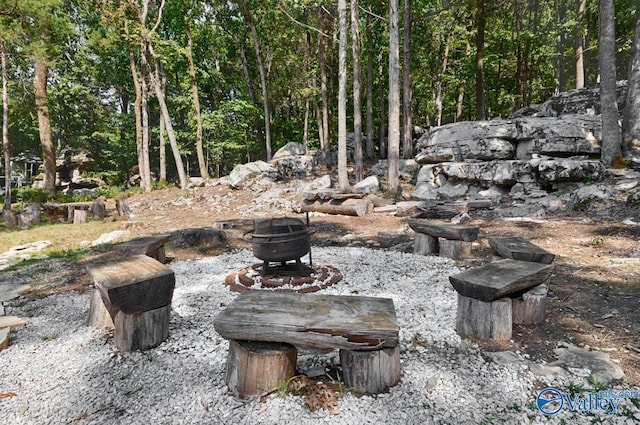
<point x="447" y="240"/>
<point x="74" y="212"/>
<point x="153" y="246"/>
<point x="485" y="304"/>
<point x="364" y="329"/>
<point x="132" y="296"/>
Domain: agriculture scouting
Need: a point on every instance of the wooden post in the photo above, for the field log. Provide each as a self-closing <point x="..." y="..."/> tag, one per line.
<point x="79" y="216"/>
<point x="370" y="372"/>
<point x="100" y="316"/>
<point x="455" y="249"/>
<point x="98" y="209"/>
<point x="529" y="309"/>
<point x="256" y="368"/>
<point x="485" y="320"/>
<point x="140" y="331"/>
<point x="425" y="244"/>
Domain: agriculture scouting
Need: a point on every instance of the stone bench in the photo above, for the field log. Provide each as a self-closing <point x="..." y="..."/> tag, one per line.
<point x="447" y="240"/>
<point x="153" y="246"/>
<point x="133" y="297"/>
<point x="364" y="329"/>
<point x="494" y="296"/>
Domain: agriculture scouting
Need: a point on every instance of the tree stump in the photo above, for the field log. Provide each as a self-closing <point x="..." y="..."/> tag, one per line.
<point x="529" y="309"/>
<point x="484" y="320"/>
<point x="30" y="215"/>
<point x="140" y="331"/>
<point x="10" y="218"/>
<point x="455" y="249"/>
<point x="370" y="372"/>
<point x="425" y="244"/>
<point x="256" y="368"/>
<point x="122" y="207"/>
<point x="100" y="315"/>
<point x="98" y="209"/>
<point x="79" y="215"/>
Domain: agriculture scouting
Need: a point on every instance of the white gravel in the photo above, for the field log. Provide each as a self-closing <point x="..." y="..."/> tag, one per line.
<point x="59" y="371"/>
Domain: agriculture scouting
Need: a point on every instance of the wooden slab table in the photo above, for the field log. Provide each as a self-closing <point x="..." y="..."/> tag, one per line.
<point x="365" y="330"/>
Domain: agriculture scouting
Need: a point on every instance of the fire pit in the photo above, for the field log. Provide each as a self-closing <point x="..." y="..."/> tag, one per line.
<point x="280" y="240"/>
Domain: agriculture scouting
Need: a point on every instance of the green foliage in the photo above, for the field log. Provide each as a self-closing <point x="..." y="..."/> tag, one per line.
<point x="27" y="195"/>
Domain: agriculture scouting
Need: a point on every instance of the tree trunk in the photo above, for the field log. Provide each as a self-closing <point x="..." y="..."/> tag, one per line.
<point x="5" y="129"/>
<point x="343" y="177"/>
<point x="145" y="167"/>
<point x="461" y="91"/>
<point x="44" y="126"/>
<point x="560" y="18"/>
<point x="631" y="123"/>
<point x="357" y="105"/>
<point x="443" y="70"/>
<point x="370" y="145"/>
<point x="579" y="43"/>
<point x="137" y="107"/>
<point x="263" y="79"/>
<point x="407" y="143"/>
<point x="382" y="149"/>
<point x="252" y="93"/>
<point x="322" y="63"/>
<point x="606" y="52"/>
<point x="480" y="18"/>
<point x="161" y="141"/>
<point x="394" y="99"/>
<point x="202" y="163"/>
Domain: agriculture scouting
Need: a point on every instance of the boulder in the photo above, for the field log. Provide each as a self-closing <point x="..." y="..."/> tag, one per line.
<point x="201" y="238"/>
<point x="290" y="149"/>
<point x="243" y="175"/>
<point x="569" y="170"/>
<point x="367" y="186"/>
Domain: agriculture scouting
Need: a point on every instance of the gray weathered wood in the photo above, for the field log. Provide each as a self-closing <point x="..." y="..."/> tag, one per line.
<point x="134" y="284"/>
<point x="448" y="231"/>
<point x="424" y="244"/>
<point x="79" y="216"/>
<point x="141" y="331"/>
<point x="519" y="248"/>
<point x="352" y="206"/>
<point x="484" y="320"/>
<point x="310" y="320"/>
<point x="98" y="209"/>
<point x="152" y="246"/>
<point x="455" y="249"/>
<point x="101" y="314"/>
<point x="442" y="210"/>
<point x="529" y="309"/>
<point x="500" y="278"/>
<point x="122" y="207"/>
<point x="370" y="372"/>
<point x="257" y="368"/>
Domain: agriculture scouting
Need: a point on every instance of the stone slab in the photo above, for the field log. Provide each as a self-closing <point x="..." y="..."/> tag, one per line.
<point x="12" y="322"/>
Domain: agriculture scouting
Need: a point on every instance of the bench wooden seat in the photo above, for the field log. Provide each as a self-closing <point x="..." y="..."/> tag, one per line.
<point x="363" y="328"/>
<point x="152" y="246"/>
<point x="500" y="278"/>
<point x="135" y="293"/>
<point x="457" y="232"/>
<point x="519" y="248"/>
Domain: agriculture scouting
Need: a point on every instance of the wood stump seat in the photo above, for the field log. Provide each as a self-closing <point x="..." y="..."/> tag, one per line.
<point x="132" y="295"/>
<point x="364" y="329"/>
<point x="493" y="297"/>
<point x="153" y="246"/>
<point x="446" y="240"/>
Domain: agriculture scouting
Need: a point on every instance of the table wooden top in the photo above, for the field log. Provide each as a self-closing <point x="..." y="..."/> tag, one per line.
<point x="311" y="320"/>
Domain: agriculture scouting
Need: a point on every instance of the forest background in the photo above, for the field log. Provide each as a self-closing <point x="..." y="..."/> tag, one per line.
<point x="192" y="88"/>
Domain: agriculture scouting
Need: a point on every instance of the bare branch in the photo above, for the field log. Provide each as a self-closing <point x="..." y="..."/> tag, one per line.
<point x="302" y="24"/>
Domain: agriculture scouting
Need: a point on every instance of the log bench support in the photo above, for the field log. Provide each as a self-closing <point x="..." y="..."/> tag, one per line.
<point x="370" y="372"/>
<point x="484" y="320"/>
<point x="528" y="309"/>
<point x="446" y="240"/>
<point x="133" y="297"/>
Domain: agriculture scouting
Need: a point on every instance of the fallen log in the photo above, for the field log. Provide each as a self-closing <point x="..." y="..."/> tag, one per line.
<point x="351" y="206"/>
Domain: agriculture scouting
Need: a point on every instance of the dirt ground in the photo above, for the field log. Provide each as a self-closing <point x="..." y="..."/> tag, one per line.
<point x="594" y="292"/>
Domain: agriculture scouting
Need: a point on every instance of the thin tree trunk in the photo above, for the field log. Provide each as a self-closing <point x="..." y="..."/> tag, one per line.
<point x="439" y="83"/>
<point x="394" y="99"/>
<point x="145" y="169"/>
<point x="263" y="79"/>
<point x="161" y="142"/>
<point x="370" y="145"/>
<point x="324" y="89"/>
<point x="44" y="126"/>
<point x="6" y="149"/>
<point x="343" y="177"/>
<point x="137" y="108"/>
<point x="461" y="91"/>
<point x="579" y="43"/>
<point x="252" y="93"/>
<point x="384" y="106"/>
<point x="480" y="98"/>
<point x="407" y="144"/>
<point x="560" y="40"/>
<point x="631" y="123"/>
<point x="202" y="163"/>
<point x="611" y="142"/>
<point x="357" y="106"/>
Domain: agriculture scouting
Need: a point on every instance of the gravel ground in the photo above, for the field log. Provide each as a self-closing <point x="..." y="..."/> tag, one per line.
<point x="59" y="371"/>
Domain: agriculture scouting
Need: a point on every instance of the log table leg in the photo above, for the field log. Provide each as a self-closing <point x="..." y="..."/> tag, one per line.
<point x="425" y="244"/>
<point x="371" y="372"/>
<point x="255" y="368"/>
<point x="455" y="249"/>
<point x="139" y="331"/>
<point x="485" y="320"/>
